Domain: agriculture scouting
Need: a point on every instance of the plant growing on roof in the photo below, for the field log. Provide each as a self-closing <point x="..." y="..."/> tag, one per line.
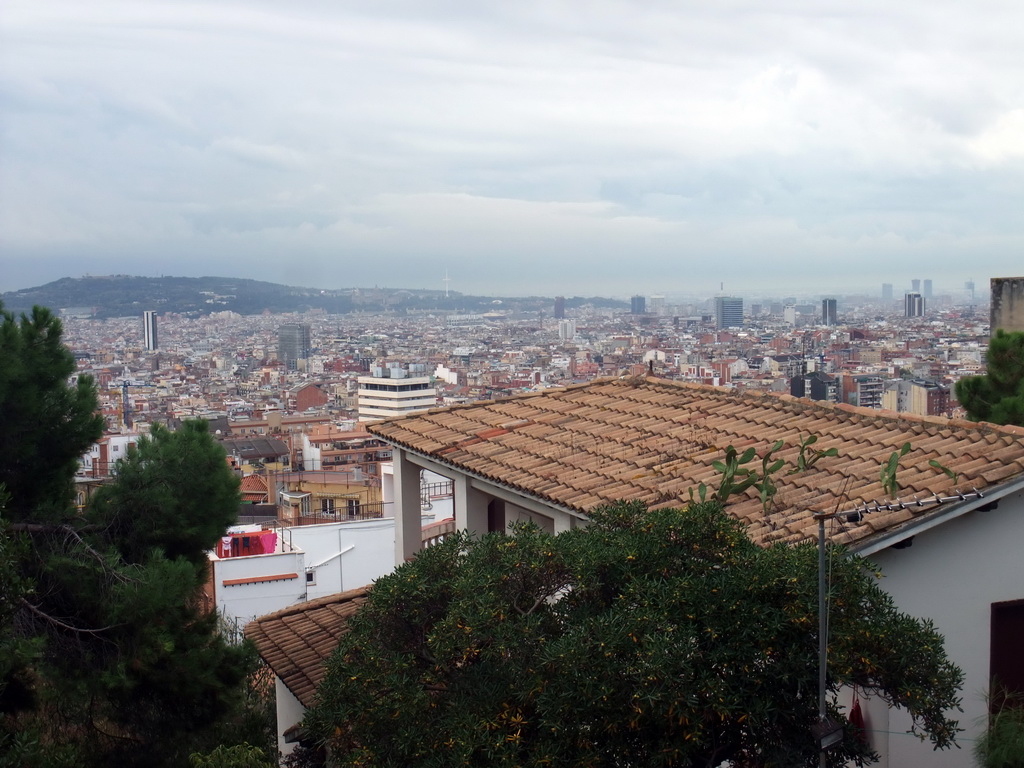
<point x="954" y="476"/>
<point x="807" y="459"/>
<point x="765" y="485"/>
<point x="735" y="477"/>
<point x="888" y="474"/>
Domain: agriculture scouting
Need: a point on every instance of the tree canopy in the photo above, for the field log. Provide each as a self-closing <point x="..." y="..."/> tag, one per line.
<point x="46" y="424"/>
<point x="997" y="396"/>
<point x="107" y="652"/>
<point x="650" y="638"/>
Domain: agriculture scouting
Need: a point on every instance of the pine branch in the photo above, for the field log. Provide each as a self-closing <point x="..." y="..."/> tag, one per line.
<point x="57" y="622"/>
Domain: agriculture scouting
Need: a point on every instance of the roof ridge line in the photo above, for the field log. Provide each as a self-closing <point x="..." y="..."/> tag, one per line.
<point x="318" y="602"/>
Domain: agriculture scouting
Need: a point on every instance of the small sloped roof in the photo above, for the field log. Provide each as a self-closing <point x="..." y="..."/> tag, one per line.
<point x="654" y="440"/>
<point x="253" y="488"/>
<point x="255" y="447"/>
<point x="296" y="641"/>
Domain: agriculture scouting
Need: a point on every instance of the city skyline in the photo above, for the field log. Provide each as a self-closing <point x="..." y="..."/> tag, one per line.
<point x="659" y="150"/>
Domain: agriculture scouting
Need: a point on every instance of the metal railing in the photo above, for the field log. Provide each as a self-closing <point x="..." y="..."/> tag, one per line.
<point x="373" y="510"/>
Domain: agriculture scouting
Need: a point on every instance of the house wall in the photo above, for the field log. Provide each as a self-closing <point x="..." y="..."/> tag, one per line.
<point x="289" y="712"/>
<point x="244" y="602"/>
<point x="952" y="574"/>
<point x="518" y="514"/>
<point x="347" y="555"/>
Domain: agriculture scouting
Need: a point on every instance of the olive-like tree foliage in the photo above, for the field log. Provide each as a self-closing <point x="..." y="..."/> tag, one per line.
<point x="650" y="638"/>
<point x="997" y="396"/>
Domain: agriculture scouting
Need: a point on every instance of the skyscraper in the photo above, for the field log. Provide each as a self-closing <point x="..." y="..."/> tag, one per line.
<point x="828" y="312"/>
<point x="293" y="343"/>
<point x="915" y="286"/>
<point x="149" y="329"/>
<point x="728" y="312"/>
<point x="559" y="307"/>
<point x="886" y="291"/>
<point x="638" y="305"/>
<point x="914" y="305"/>
<point x="927" y="289"/>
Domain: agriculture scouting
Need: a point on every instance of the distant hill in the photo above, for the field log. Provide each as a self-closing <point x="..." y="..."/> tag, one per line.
<point x="126" y="295"/>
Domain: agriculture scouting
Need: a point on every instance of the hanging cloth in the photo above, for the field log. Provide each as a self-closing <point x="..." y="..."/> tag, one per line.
<point x="856" y="719"/>
<point x="269" y="542"/>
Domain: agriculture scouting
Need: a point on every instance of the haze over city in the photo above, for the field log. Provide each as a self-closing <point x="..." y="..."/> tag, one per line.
<point x="552" y="148"/>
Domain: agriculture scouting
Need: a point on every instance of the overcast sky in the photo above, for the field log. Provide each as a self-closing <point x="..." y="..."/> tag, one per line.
<point x="530" y="146"/>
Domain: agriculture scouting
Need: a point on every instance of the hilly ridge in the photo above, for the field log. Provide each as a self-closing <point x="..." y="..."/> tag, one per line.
<point x="127" y="295"/>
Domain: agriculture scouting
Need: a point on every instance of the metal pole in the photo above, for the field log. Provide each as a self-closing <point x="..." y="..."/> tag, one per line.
<point x="822" y="632"/>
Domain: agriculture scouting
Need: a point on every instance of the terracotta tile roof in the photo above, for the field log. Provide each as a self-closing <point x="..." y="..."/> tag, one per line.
<point x="653" y="440"/>
<point x="253" y="488"/>
<point x="297" y="640"/>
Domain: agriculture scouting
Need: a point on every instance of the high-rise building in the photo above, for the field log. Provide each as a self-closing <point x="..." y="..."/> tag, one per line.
<point x="394" y="393"/>
<point x="914" y="305"/>
<point x="926" y="290"/>
<point x="293" y="343"/>
<point x="886" y="291"/>
<point x="559" y="307"/>
<point x="149" y="329"/>
<point x="915" y="286"/>
<point x="658" y="304"/>
<point x="728" y="312"/>
<point x="638" y="305"/>
<point x="828" y="312"/>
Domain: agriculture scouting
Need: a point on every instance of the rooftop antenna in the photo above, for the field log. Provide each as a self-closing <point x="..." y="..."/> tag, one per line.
<point x="446" y="281"/>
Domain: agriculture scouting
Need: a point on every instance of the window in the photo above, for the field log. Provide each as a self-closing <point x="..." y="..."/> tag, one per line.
<point x="1006" y="662"/>
<point x="327" y="506"/>
<point x="310" y="578"/>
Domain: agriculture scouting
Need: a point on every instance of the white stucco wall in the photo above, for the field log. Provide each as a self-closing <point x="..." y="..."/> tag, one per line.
<point x="346" y="555"/>
<point x="244" y="602"/>
<point x="289" y="712"/>
<point x="952" y="575"/>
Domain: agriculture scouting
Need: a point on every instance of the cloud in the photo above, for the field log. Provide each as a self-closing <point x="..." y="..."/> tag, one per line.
<point x="531" y="141"/>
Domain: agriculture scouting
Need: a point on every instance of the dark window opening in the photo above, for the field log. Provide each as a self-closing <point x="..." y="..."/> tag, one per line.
<point x="1006" y="664"/>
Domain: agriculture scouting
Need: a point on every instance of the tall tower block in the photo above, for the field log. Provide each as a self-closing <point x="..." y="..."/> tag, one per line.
<point x="149" y="330"/>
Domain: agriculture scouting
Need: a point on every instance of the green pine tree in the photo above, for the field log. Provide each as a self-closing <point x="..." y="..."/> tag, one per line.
<point x="997" y="396"/>
<point x="108" y="654"/>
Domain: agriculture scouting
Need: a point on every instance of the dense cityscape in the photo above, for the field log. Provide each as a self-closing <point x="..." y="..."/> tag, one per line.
<point x="875" y="352"/>
<point x="511" y="385"/>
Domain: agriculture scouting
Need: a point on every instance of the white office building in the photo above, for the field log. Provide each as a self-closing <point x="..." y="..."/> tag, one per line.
<point x="392" y="392"/>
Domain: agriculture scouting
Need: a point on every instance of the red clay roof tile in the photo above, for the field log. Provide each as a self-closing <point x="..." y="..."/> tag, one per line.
<point x="654" y="439"/>
<point x="295" y="642"/>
